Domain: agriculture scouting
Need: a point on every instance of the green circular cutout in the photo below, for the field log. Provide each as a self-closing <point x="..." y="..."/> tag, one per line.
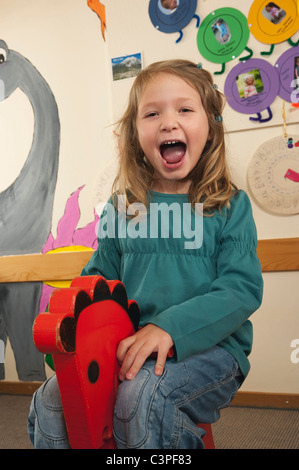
<point x="223" y="35"/>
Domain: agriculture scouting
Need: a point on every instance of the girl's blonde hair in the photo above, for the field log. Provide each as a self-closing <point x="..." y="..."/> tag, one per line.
<point x="210" y="179"/>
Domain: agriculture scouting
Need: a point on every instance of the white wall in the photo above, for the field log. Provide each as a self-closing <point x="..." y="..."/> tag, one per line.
<point x="63" y="40"/>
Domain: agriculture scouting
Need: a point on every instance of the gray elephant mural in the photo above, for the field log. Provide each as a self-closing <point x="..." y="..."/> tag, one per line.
<point x="26" y="209"/>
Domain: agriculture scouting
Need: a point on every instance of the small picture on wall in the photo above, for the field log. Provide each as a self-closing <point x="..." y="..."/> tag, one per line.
<point x="168" y="6"/>
<point x="273" y="13"/>
<point x="249" y="83"/>
<point x="221" y="31"/>
<point x="126" y="66"/>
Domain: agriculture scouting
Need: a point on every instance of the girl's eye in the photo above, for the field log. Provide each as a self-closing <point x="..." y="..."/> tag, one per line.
<point x="151" y="114"/>
<point x="185" y="110"/>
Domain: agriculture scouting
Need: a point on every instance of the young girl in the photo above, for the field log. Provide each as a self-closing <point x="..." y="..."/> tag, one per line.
<point x="195" y="299"/>
<point x="250" y="88"/>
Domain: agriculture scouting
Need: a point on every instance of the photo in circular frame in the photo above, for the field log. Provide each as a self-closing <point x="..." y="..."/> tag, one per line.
<point x="273" y="22"/>
<point x="287" y="66"/>
<point x="251" y="86"/>
<point x="223" y="35"/>
<point x="173" y="15"/>
<point x="273" y="175"/>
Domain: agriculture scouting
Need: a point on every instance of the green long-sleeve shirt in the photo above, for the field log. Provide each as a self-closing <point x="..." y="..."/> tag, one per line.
<point x="201" y="294"/>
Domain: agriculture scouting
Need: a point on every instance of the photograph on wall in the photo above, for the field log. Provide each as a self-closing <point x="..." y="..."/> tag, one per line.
<point x="126" y="66"/>
<point x="221" y="31"/>
<point x="168" y="7"/>
<point x="273" y="13"/>
<point x="250" y="83"/>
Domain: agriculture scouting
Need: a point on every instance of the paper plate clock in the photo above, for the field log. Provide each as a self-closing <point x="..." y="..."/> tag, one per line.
<point x="287" y="67"/>
<point x="251" y="87"/>
<point x="223" y="35"/>
<point x="171" y="16"/>
<point x="273" y="22"/>
<point x="273" y="175"/>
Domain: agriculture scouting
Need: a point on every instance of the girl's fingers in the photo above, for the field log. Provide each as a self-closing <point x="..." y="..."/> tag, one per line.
<point x="159" y="368"/>
<point x="131" y="355"/>
<point x="123" y="348"/>
<point x="161" y="360"/>
<point x="135" y="366"/>
<point x="132" y="352"/>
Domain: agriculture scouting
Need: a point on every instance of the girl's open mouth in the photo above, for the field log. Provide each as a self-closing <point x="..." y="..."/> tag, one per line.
<point x="172" y="153"/>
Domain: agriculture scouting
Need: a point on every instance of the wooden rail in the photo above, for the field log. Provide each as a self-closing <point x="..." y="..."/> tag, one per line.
<point x="47" y="267"/>
<point x="280" y="254"/>
<point x="275" y="255"/>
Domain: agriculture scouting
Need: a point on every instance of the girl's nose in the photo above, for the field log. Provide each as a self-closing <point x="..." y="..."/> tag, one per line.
<point x="169" y="122"/>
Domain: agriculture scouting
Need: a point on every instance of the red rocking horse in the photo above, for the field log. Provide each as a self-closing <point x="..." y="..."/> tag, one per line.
<point x="81" y="330"/>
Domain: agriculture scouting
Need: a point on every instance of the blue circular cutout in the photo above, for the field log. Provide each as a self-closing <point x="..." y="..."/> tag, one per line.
<point x="171" y="21"/>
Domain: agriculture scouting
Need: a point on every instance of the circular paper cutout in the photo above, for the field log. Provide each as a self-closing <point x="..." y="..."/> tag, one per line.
<point x="287" y="67"/>
<point x="223" y="35"/>
<point x="273" y="175"/>
<point x="172" y="15"/>
<point x="251" y="86"/>
<point x="273" y="22"/>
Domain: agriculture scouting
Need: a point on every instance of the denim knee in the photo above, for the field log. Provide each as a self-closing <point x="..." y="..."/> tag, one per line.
<point x="162" y="412"/>
<point x="131" y="411"/>
<point x="140" y="420"/>
<point x="46" y="424"/>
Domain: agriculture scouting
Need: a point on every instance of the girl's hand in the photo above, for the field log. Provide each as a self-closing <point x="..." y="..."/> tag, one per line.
<point x="134" y="350"/>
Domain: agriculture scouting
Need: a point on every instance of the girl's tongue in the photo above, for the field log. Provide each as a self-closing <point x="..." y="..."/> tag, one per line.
<point x="173" y="152"/>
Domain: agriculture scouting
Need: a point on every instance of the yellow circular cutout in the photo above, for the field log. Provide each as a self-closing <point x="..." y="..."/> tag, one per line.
<point x="273" y="22"/>
<point x="61" y="249"/>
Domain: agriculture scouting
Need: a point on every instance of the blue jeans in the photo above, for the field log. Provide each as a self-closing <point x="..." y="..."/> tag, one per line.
<point x="151" y="412"/>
